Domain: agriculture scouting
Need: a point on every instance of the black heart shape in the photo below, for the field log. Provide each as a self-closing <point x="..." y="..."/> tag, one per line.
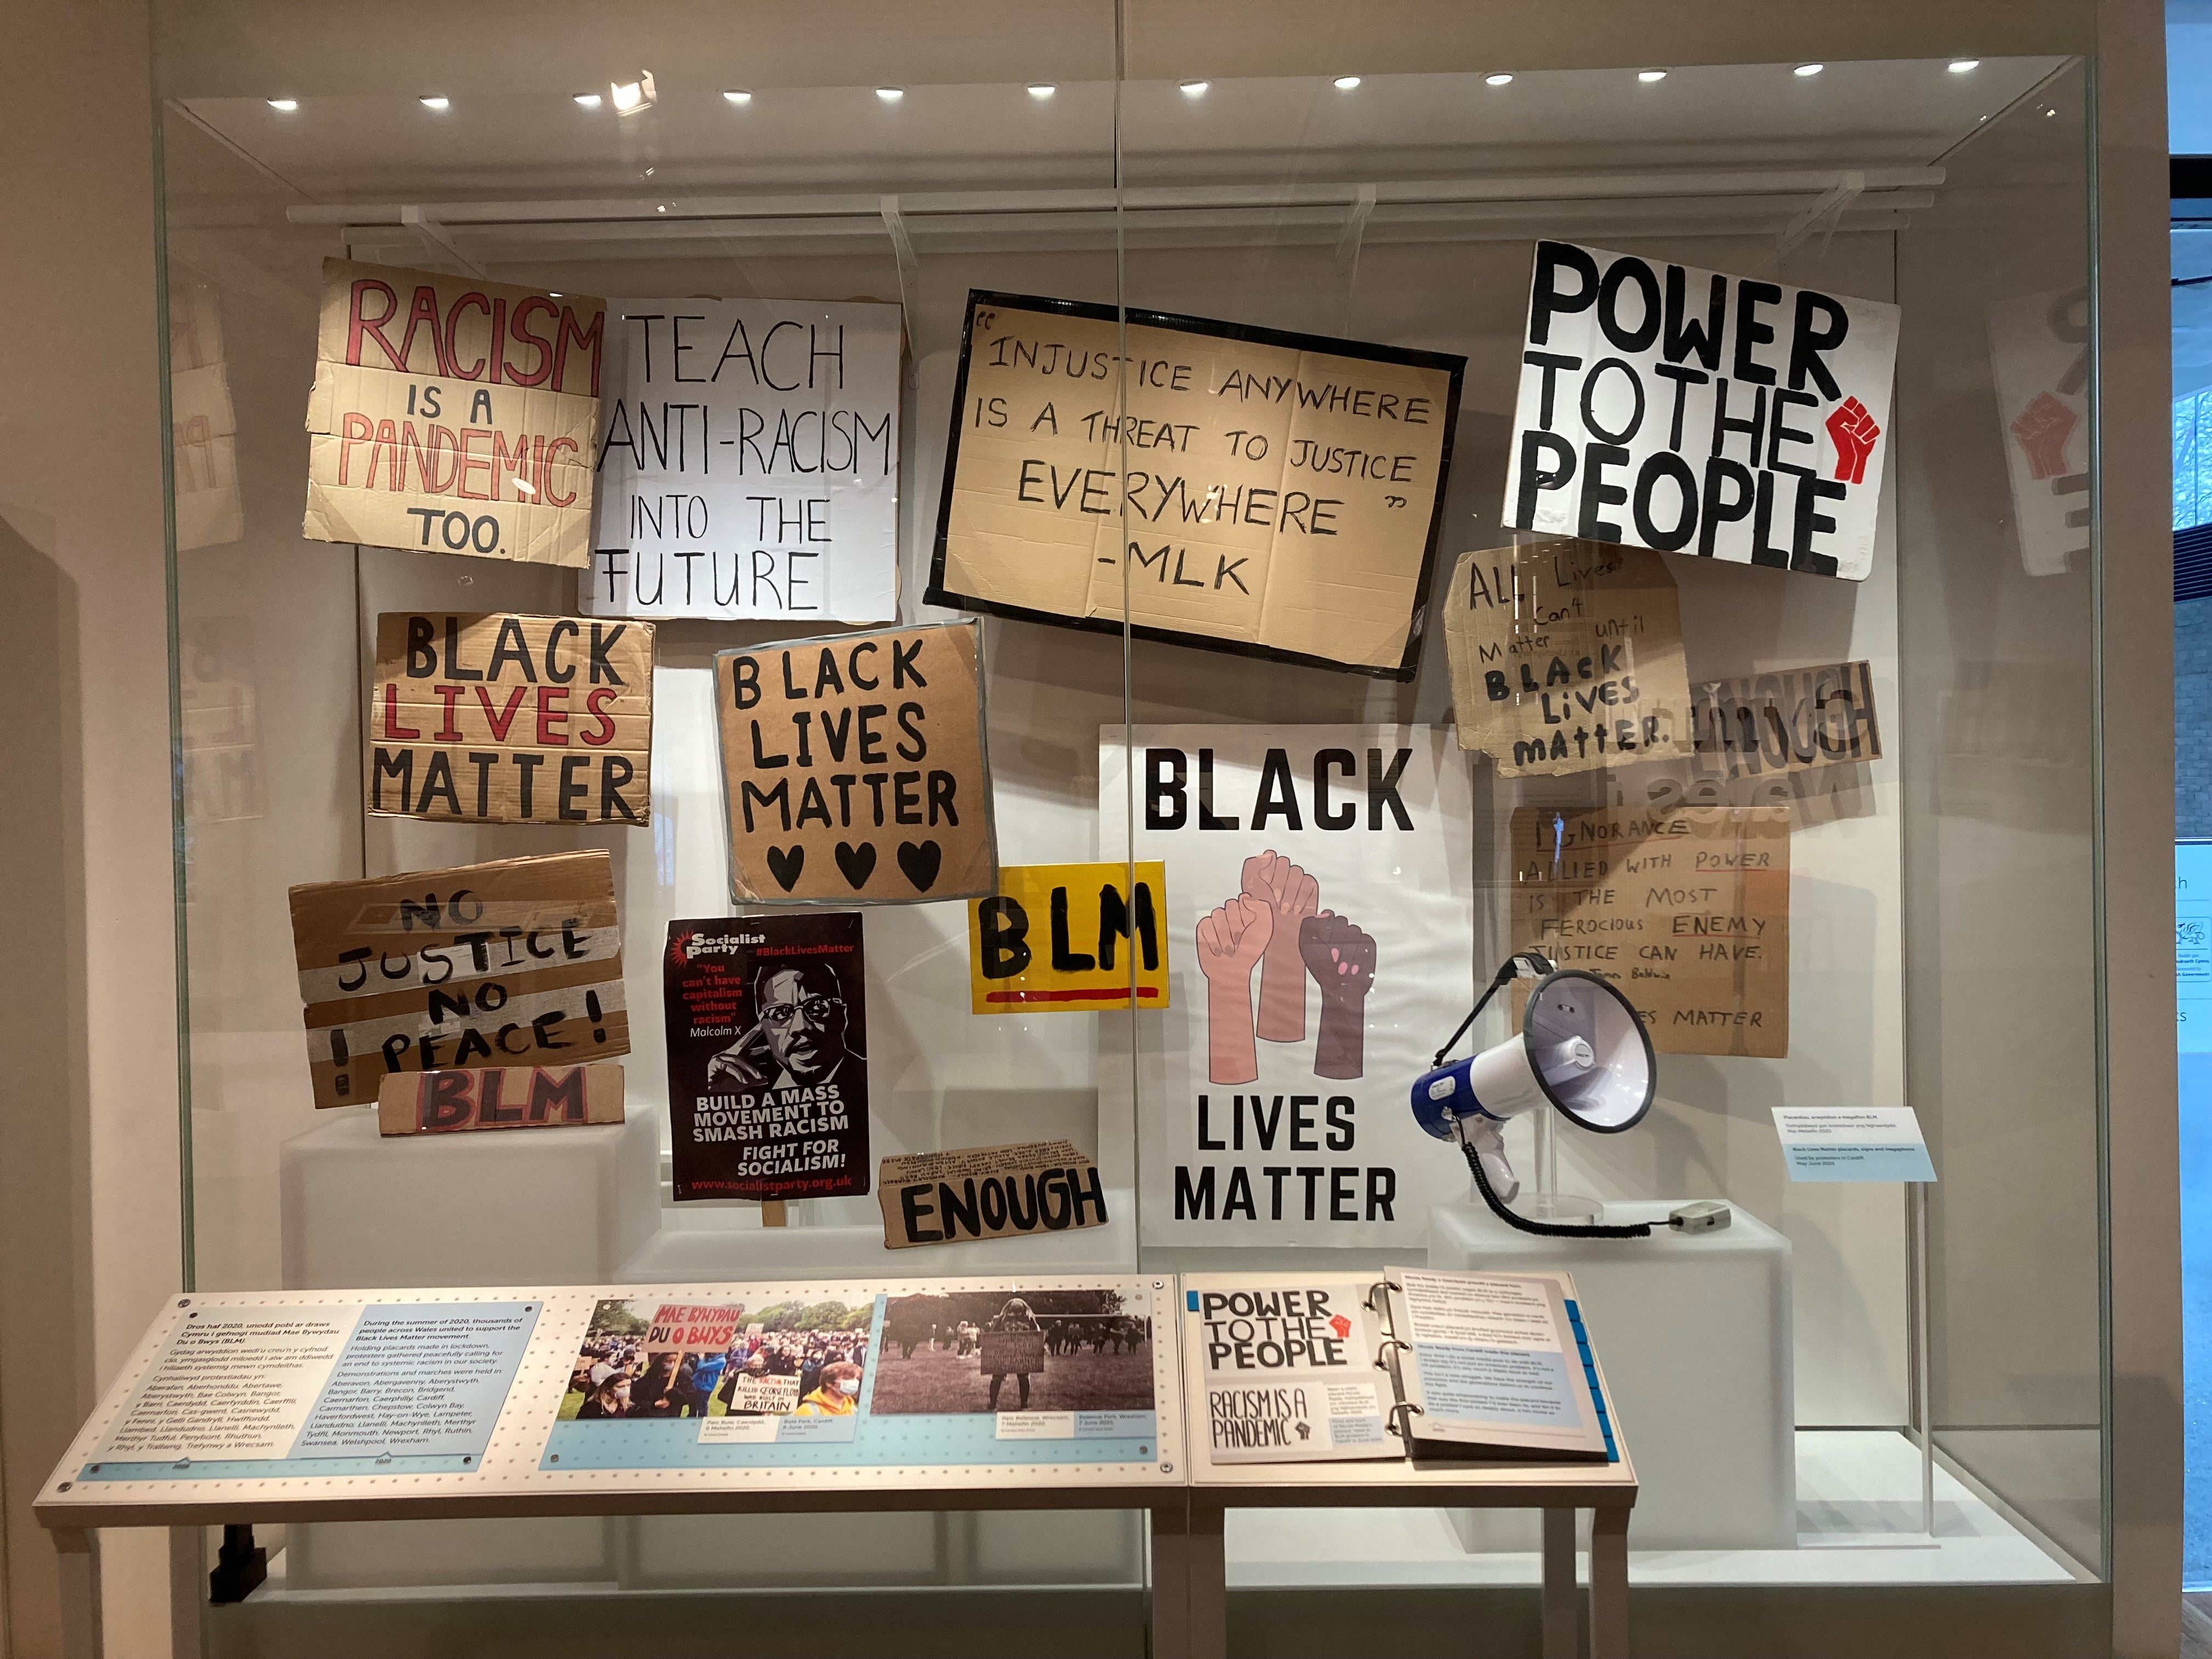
<point x="785" y="866"/>
<point x="858" y="863"/>
<point x="920" y="863"/>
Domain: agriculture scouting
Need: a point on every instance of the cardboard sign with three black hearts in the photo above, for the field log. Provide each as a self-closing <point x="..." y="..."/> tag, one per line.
<point x="854" y="768"/>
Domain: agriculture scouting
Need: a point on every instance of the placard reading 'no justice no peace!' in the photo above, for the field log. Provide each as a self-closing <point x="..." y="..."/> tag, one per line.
<point x="452" y="415"/>
<point x="514" y="963"/>
<point x="1283" y="491"/>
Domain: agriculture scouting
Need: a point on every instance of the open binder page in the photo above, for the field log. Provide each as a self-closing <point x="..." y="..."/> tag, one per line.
<point x="1289" y="1368"/>
<point x="1488" y="1362"/>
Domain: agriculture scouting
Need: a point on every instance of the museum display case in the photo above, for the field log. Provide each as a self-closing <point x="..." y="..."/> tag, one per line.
<point x="1287" y="527"/>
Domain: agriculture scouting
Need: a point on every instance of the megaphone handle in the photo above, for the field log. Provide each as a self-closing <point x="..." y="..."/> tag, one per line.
<point x="1498" y="983"/>
<point x="1542" y="1229"/>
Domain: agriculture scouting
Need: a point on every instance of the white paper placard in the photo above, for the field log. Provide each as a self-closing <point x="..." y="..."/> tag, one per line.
<point x="748" y="464"/>
<point x="1853" y="1143"/>
<point x="1694" y="412"/>
<point x="1270" y="1112"/>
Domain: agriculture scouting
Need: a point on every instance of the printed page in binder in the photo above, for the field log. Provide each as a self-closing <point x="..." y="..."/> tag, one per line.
<point x="1291" y="1367"/>
<point x="1491" y="1365"/>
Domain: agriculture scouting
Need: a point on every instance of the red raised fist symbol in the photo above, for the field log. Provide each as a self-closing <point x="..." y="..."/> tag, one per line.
<point x="1853" y="431"/>
<point x="2041" y="430"/>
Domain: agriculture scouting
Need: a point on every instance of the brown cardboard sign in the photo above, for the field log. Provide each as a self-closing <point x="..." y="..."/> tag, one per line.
<point x="988" y="1192"/>
<point x="500" y="1098"/>
<point x="497" y="719"/>
<point x="1791" y="719"/>
<point x="1566" y="656"/>
<point x="1688" y="912"/>
<point x="513" y="962"/>
<point x="451" y="415"/>
<point x="853" y="768"/>
<point x="1283" y="492"/>
<point x="689" y="1328"/>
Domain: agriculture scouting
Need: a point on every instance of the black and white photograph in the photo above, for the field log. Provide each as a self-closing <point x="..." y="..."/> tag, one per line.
<point x="977" y="1351"/>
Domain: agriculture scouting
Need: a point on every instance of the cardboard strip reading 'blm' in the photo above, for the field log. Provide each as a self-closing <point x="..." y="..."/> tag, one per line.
<point x="516" y="962"/>
<point x="497" y="719"/>
<point x="500" y="1098"/>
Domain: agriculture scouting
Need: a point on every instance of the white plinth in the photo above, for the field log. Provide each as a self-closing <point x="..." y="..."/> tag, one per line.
<point x="492" y="1206"/>
<point x="1694" y="1331"/>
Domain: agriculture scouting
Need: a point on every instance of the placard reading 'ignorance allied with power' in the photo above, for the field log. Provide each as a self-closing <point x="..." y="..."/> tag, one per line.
<point x="1283" y="491"/>
<point x="1694" y="412"/>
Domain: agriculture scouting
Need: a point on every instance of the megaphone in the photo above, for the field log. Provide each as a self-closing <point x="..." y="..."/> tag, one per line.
<point x="1581" y="1051"/>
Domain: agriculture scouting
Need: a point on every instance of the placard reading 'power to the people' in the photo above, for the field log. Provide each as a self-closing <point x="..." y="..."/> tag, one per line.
<point x="495" y="719"/>
<point x="451" y="415"/>
<point x="1236" y="488"/>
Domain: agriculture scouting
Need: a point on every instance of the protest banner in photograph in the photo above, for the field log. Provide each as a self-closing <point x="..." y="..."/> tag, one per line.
<point x="854" y="768"/>
<point x="1322" y="906"/>
<point x="1283" y="491"/>
<point x="498" y="719"/>
<point x="517" y="961"/>
<point x="451" y="415"/>
<point x="748" y="462"/>
<point x="1067" y="939"/>
<point x="1690" y="411"/>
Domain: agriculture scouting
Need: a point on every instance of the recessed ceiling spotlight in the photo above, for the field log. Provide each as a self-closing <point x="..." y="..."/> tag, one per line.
<point x="1497" y="80"/>
<point x="1805" y="71"/>
<point x="588" y="99"/>
<point x="890" y="95"/>
<point x="632" y="97"/>
<point x="1648" y="75"/>
<point x="660" y="207"/>
<point x="1195" y="88"/>
<point x="1040" y="91"/>
<point x="738" y="95"/>
<point x="286" y="105"/>
<point x="1345" y="82"/>
<point x="1962" y="66"/>
<point x="437" y="102"/>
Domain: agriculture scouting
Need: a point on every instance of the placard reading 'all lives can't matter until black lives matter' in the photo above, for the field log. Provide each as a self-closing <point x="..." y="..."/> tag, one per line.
<point x="767" y="1067"/>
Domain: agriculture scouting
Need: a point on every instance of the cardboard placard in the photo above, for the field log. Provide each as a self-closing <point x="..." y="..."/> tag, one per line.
<point x="488" y="964"/>
<point x="1011" y="1353"/>
<point x="1059" y="939"/>
<point x="500" y="1098"/>
<point x="1566" y="656"/>
<point x="1284" y="490"/>
<point x="451" y="415"/>
<point x="203" y="420"/>
<point x="1689" y="411"/>
<point x="1688" y="912"/>
<point x="489" y="718"/>
<point x="750" y="1394"/>
<point x="988" y="1192"/>
<point x="854" y="768"/>
<point x="689" y="1328"/>
<point x="1792" y="719"/>
<point x="768" y="1063"/>
<point x="749" y="466"/>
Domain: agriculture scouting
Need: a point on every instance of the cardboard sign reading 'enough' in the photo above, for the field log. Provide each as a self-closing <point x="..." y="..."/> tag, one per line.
<point x="517" y="961"/>
<point x="1686" y="911"/>
<point x="854" y="768"/>
<point x="451" y="415"/>
<point x="1068" y="938"/>
<point x="1283" y="491"/>
<point x="495" y="718"/>
<point x="988" y="1192"/>
<point x="500" y="1098"/>
<point x="1566" y="657"/>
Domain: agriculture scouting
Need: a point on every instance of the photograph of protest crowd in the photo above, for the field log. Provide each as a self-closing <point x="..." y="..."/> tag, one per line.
<point x="993" y="1350"/>
<point x="644" y="1359"/>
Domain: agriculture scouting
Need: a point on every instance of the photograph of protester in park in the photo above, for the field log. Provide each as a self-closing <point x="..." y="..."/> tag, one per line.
<point x="978" y="1352"/>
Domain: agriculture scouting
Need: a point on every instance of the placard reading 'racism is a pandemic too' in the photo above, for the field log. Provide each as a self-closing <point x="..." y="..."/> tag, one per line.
<point x="452" y="415"/>
<point x="497" y="719"/>
<point x="1694" y="412"/>
<point x="1283" y="492"/>
<point x="748" y="466"/>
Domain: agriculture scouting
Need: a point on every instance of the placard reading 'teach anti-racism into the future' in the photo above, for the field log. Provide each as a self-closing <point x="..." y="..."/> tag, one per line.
<point x="497" y="719"/>
<point x="1691" y="411"/>
<point x="1235" y="488"/>
<point x="853" y="768"/>
<point x="451" y="415"/>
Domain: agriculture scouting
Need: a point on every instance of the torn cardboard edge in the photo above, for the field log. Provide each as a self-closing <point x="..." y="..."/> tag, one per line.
<point x="988" y="1192"/>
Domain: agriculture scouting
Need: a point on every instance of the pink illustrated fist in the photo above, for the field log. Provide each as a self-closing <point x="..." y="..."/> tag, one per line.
<point x="1853" y="431"/>
<point x="1292" y="895"/>
<point x="2041" y="430"/>
<point x="1229" y="942"/>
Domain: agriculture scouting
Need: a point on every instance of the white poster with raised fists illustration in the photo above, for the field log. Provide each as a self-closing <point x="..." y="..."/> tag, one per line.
<point x="1321" y="903"/>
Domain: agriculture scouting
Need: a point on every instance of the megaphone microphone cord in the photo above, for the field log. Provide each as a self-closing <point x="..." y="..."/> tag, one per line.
<point x="1544" y="1229"/>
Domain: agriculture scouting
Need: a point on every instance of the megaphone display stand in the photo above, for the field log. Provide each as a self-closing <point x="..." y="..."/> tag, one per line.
<point x="1547" y="1202"/>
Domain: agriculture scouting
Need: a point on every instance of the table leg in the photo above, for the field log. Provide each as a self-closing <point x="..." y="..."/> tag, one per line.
<point x="1562" y="1628"/>
<point x="1608" y="1584"/>
<point x="1170" y="1536"/>
<point x="1209" y="1581"/>
<point x="80" y="1587"/>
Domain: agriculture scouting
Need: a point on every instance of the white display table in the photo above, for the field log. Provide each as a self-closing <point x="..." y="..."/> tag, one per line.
<point x="1695" y="1331"/>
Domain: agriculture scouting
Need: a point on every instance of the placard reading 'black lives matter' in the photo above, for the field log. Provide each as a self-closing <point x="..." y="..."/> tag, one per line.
<point x="1272" y="494"/>
<point x="1694" y="412"/>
